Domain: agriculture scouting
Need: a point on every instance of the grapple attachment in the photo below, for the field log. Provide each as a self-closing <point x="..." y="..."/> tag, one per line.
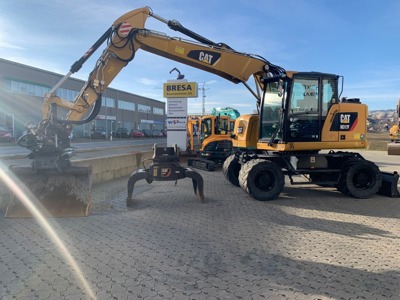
<point x="53" y="193"/>
<point x="165" y="167"/>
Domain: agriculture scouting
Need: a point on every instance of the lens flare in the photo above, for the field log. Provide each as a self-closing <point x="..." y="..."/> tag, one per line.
<point x="35" y="208"/>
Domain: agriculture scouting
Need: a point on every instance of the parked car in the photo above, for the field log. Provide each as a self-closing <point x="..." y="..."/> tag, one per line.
<point x="136" y="133"/>
<point x="157" y="133"/>
<point x="5" y="134"/>
<point x="98" y="132"/>
<point x="121" y="133"/>
<point x="147" y="132"/>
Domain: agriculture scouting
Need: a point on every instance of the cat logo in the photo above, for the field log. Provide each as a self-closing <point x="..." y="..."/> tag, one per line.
<point x="344" y="119"/>
<point x="165" y="172"/>
<point x="345" y="122"/>
<point x="207" y="57"/>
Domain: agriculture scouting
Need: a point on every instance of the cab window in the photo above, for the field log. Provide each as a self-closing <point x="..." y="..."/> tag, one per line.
<point x="206" y="128"/>
<point x="305" y="96"/>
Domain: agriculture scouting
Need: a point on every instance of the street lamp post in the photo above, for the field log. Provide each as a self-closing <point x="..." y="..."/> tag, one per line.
<point x="203" y="89"/>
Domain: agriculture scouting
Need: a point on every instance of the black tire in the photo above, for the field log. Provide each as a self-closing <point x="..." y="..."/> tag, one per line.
<point x="362" y="179"/>
<point x="341" y="186"/>
<point x="262" y="179"/>
<point x="231" y="169"/>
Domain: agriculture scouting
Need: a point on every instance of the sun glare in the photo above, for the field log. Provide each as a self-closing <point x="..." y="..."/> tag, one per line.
<point x="33" y="205"/>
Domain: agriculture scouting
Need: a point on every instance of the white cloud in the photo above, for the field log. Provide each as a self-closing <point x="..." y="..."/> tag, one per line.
<point x="147" y="81"/>
<point x="5" y="41"/>
<point x="5" y="44"/>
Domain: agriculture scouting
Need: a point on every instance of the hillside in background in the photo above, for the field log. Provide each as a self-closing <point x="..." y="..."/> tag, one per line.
<point x="381" y="120"/>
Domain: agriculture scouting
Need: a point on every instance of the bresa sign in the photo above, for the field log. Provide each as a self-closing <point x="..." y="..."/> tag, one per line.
<point x="180" y="90"/>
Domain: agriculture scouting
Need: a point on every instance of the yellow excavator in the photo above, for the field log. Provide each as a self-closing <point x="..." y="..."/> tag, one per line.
<point x="393" y="147"/>
<point x="209" y="137"/>
<point x="295" y="130"/>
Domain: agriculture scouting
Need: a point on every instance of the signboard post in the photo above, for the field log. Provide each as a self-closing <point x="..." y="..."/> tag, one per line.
<point x="177" y="92"/>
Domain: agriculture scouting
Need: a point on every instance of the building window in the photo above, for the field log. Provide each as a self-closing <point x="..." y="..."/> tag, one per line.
<point x="126" y="105"/>
<point x="144" y="108"/>
<point x="31" y="89"/>
<point x="158" y="111"/>
<point x="23" y="87"/>
<point x="67" y="94"/>
<point x="107" y="102"/>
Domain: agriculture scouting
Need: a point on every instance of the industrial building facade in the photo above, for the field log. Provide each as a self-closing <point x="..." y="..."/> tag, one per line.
<point x="22" y="90"/>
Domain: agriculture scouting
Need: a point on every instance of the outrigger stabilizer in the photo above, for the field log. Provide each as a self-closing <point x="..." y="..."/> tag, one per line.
<point x="164" y="166"/>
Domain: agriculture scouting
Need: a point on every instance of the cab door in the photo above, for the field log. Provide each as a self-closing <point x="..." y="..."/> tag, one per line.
<point x="304" y="110"/>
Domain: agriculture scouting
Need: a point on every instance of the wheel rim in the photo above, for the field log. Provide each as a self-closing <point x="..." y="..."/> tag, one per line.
<point x="363" y="179"/>
<point x="264" y="181"/>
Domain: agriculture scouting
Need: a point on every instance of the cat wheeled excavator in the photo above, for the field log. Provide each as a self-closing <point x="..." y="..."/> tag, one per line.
<point x="299" y="130"/>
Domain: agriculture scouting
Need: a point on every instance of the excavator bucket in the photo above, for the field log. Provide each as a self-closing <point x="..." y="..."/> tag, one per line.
<point x="393" y="148"/>
<point x="51" y="193"/>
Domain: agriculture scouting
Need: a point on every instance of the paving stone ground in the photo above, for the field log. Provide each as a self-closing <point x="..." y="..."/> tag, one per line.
<point x="310" y="243"/>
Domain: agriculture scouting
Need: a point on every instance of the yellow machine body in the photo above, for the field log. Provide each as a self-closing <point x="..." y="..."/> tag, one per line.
<point x="393" y="147"/>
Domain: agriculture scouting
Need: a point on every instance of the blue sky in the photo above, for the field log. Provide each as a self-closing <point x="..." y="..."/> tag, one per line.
<point x="357" y="39"/>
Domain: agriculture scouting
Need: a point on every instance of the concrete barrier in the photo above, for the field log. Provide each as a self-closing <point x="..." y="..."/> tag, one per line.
<point x="115" y="166"/>
<point x="104" y="169"/>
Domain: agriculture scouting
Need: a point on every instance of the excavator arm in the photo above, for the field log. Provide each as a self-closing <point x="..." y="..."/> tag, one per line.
<point x="128" y="34"/>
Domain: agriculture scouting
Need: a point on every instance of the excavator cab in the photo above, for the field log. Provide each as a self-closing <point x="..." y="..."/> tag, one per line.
<point x="304" y="113"/>
<point x="216" y="143"/>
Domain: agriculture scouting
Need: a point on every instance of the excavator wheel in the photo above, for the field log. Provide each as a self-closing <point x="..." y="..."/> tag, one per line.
<point x="262" y="179"/>
<point x="231" y="169"/>
<point x="360" y="179"/>
<point x="51" y="193"/>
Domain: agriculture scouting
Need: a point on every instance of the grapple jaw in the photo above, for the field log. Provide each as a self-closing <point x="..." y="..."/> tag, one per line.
<point x="198" y="183"/>
<point x="50" y="192"/>
<point x="165" y="167"/>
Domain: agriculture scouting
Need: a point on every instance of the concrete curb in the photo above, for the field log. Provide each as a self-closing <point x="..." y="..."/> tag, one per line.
<point x="116" y="166"/>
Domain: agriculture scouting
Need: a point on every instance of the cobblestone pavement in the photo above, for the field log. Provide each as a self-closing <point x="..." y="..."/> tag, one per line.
<point x="310" y="243"/>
